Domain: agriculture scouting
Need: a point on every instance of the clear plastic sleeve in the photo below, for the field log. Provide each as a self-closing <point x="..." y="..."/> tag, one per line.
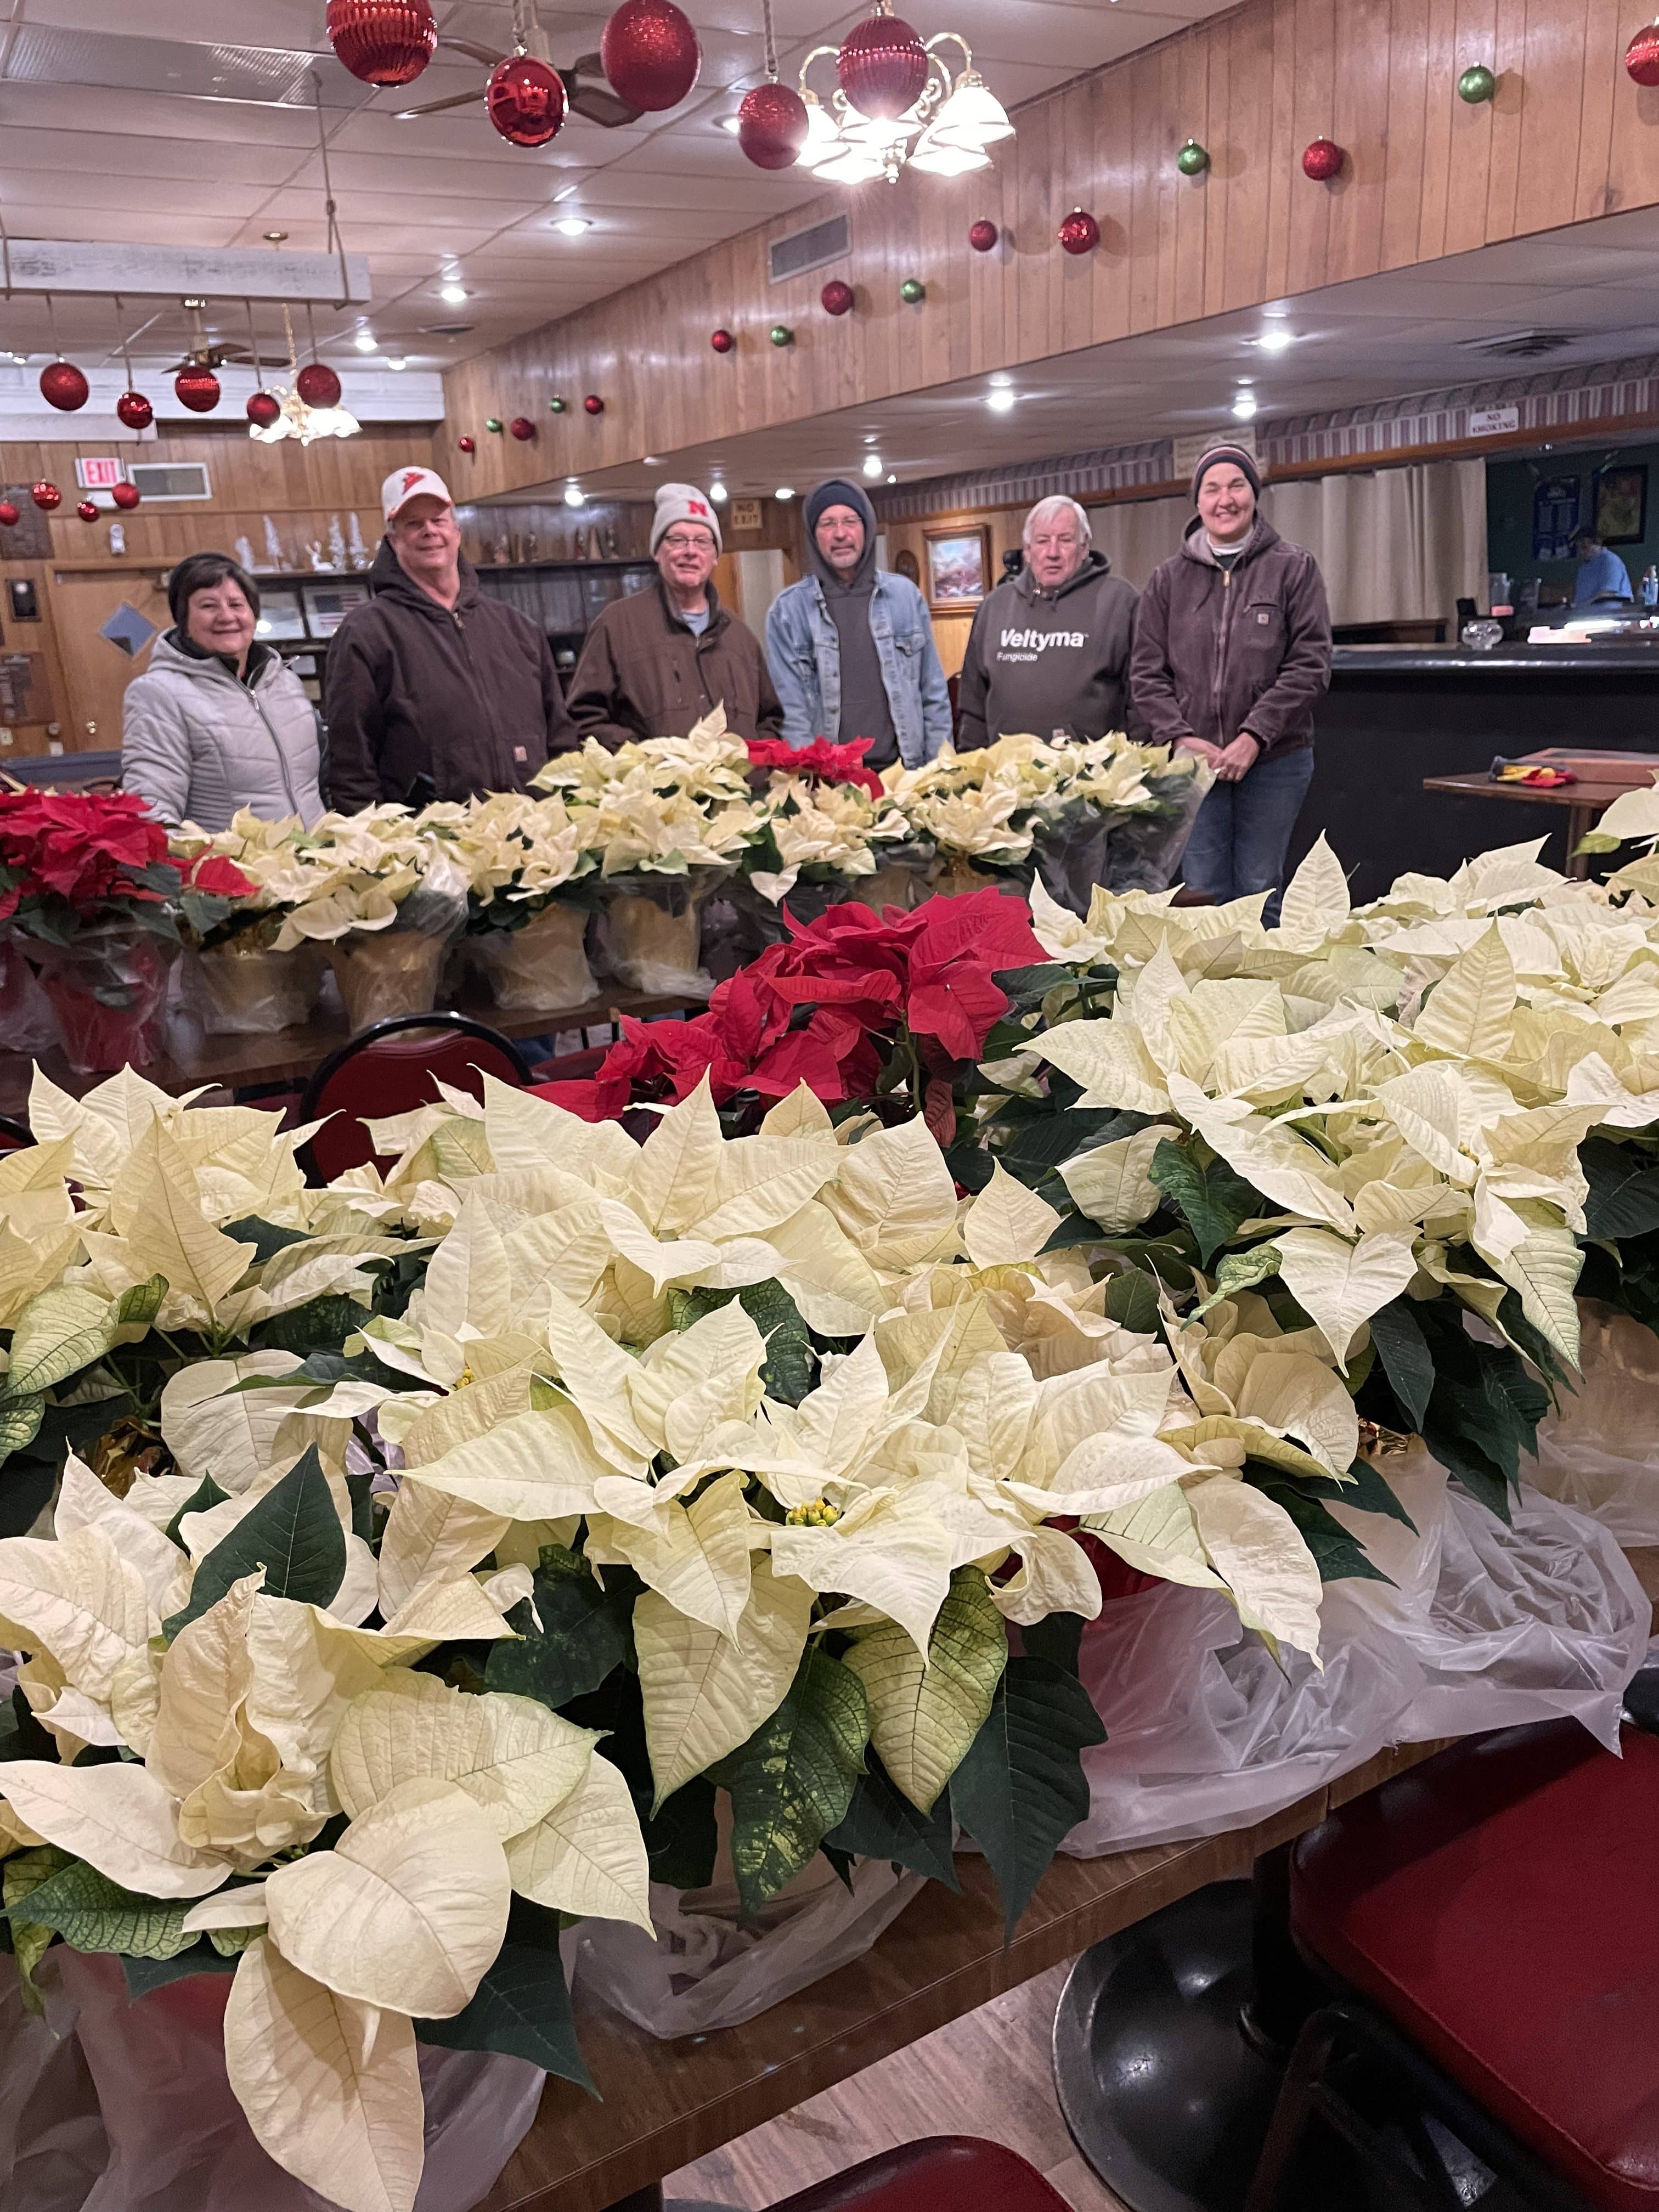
<point x="108" y="988"/>
<point x="651" y="931"/>
<point x="26" y="1020"/>
<point x="391" y="971"/>
<point x="544" y="963"/>
<point x="1596" y="1451"/>
<point x="239" y="989"/>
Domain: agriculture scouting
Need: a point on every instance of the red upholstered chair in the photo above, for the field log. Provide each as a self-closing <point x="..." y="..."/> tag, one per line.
<point x="391" y="1068"/>
<point x="1490" y="1921"/>
<point x="961" y="2173"/>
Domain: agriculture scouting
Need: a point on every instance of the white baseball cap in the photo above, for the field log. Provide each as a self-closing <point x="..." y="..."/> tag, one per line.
<point x="405" y="484"/>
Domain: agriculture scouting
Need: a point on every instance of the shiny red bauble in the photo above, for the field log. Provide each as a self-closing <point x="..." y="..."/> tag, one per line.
<point x="1323" y="160"/>
<point x="593" y="403"/>
<point x="317" y="385"/>
<point x="264" y="409"/>
<point x="383" y="41"/>
<point x="525" y="100"/>
<point x="772" y="125"/>
<point x="63" y="386"/>
<point x="1080" y="233"/>
<point x="46" y="497"/>
<point x="982" y="235"/>
<point x="135" y="410"/>
<point x="126" y="496"/>
<point x="522" y="428"/>
<point x="882" y="66"/>
<point x="10" y="516"/>
<point x="650" y="55"/>
<point x="838" y="297"/>
<point x="1641" y="55"/>
<point x="467" y="445"/>
<point x="86" y="511"/>
<point x="197" y="388"/>
<point x="722" y="341"/>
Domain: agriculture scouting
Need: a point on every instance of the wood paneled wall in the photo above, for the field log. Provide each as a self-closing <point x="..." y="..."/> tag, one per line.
<point x="1568" y="137"/>
<point x="79" y="677"/>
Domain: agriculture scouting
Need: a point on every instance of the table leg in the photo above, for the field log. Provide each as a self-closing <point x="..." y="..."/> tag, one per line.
<point x="1581" y="820"/>
<point x="648" y="2199"/>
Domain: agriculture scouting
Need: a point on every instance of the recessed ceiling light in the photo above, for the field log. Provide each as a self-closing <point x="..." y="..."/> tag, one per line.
<point x="1001" y="400"/>
<point x="574" y="495"/>
<point x="652" y="462"/>
<point x="1276" y="340"/>
<point x="784" y="491"/>
<point x="892" y="479"/>
<point x="365" y="341"/>
<point x="1001" y="380"/>
<point x="396" y="361"/>
<point x="1244" y="407"/>
<point x="452" y="295"/>
<point x="731" y="124"/>
<point x="872" y="465"/>
<point x="573" y="226"/>
<point x="717" y="492"/>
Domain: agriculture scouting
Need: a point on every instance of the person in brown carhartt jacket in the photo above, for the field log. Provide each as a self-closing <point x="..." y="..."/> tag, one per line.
<point x="656" y="663"/>
<point x="1232" y="654"/>
<point x="433" y="690"/>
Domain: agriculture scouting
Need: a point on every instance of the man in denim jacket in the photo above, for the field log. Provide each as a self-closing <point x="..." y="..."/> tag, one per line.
<point x="851" y="648"/>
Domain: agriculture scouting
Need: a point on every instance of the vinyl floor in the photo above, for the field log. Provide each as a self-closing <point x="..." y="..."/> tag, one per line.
<point x="987" y="2074"/>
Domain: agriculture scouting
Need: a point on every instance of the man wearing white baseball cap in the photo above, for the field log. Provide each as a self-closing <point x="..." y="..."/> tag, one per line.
<point x="434" y="691"/>
<point x="655" y="664"/>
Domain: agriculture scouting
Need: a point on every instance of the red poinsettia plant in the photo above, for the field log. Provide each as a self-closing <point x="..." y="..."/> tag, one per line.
<point x="855" y="1005"/>
<point x="823" y="761"/>
<point x="71" y="859"/>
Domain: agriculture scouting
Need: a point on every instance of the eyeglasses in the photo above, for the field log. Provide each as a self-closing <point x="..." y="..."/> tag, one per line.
<point x="681" y="541"/>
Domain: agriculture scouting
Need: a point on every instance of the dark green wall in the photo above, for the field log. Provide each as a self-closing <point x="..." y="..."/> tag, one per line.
<point x="1509" y="489"/>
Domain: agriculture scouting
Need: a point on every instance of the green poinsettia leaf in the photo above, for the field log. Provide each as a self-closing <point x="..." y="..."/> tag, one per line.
<point x="143" y="1975"/>
<point x="1213" y="1200"/>
<point x="792" y="1783"/>
<point x="1403" y="1349"/>
<point x="294" y="1533"/>
<point x="1022" y="1788"/>
<point x="56" y="1335"/>
<point x="582" y="1637"/>
<point x="1132" y="1301"/>
<point x="791" y="1367"/>
<point x="93" y="1913"/>
<point x="139" y="1306"/>
<point x="1624" y="1190"/>
<point x="924" y="1714"/>
<point x="521" y="2007"/>
<point x="1339" y="1556"/>
<point x="881" y="1823"/>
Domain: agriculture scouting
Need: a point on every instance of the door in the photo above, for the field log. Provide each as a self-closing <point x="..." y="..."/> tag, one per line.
<point x="90" y="602"/>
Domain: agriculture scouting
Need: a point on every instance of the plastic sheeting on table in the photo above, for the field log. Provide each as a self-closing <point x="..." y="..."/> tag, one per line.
<point x="1596" y="1451"/>
<point x="1485" y="1627"/>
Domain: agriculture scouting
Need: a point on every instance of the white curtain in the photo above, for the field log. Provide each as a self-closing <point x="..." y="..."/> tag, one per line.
<point x="1392" y="543"/>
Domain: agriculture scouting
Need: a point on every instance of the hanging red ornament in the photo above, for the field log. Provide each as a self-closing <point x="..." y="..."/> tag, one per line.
<point x="197" y="388"/>
<point x="837" y="298"/>
<point x="86" y="511"/>
<point x="10" y="516"/>
<point x="522" y="428"/>
<point x="649" y="53"/>
<point x="525" y="99"/>
<point x="593" y="403"/>
<point x="63" y="386"/>
<point x="317" y="385"/>
<point x="1641" y="55"/>
<point x="983" y="235"/>
<point x="135" y="410"/>
<point x="467" y="445"/>
<point x="882" y="66"/>
<point x="1323" y="160"/>
<point x="772" y="125"/>
<point x="722" y="341"/>
<point x="126" y="496"/>
<point x="383" y="41"/>
<point x="46" y="497"/>
<point x="1080" y="233"/>
<point x="264" y="409"/>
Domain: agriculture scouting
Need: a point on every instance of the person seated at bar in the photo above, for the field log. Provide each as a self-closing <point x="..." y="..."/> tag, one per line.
<point x="851" y="645"/>
<point x="1603" y="580"/>
<point x="435" y="689"/>
<point x="1232" y="654"/>
<point x="655" y="663"/>
<point x="1048" y="654"/>
<point x="218" y="721"/>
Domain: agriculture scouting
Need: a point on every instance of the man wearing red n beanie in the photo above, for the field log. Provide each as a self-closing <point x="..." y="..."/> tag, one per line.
<point x="1232" y="652"/>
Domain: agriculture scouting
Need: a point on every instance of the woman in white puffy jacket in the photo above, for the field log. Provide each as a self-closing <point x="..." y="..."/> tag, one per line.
<point x="217" y="722"/>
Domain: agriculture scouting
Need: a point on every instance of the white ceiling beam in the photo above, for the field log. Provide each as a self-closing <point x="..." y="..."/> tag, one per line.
<point x="66" y="267"/>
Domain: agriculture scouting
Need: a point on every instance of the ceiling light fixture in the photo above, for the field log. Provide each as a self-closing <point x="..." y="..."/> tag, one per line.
<point x="872" y="466"/>
<point x="891" y="479"/>
<point x="573" y="226"/>
<point x="958" y="116"/>
<point x="731" y="123"/>
<point x="784" y="491"/>
<point x="651" y="461"/>
<point x="1244" y="407"/>
<point x="574" y="495"/>
<point x="365" y="341"/>
<point x="396" y="361"/>
<point x="999" y="400"/>
<point x="452" y="295"/>
<point x="1276" y="340"/>
<point x="717" y="492"/>
<point x="1001" y="380"/>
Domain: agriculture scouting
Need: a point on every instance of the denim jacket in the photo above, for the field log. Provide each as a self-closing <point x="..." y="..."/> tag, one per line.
<point x="805" y="655"/>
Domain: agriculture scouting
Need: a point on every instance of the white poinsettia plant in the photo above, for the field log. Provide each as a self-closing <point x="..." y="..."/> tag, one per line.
<point x="820" y="832"/>
<point x="517" y="853"/>
<point x="990" y="805"/>
<point x="663" y="806"/>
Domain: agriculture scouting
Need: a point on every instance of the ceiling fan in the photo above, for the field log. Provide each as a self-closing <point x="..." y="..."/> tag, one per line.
<point x="586" y="90"/>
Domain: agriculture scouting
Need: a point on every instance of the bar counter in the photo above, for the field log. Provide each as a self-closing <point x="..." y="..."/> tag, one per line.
<point x="1397" y="713"/>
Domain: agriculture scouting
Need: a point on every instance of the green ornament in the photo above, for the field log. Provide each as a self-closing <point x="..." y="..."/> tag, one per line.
<point x="555" y="406"/>
<point x="913" y="291"/>
<point x="495" y="425"/>
<point x="1192" y="160"/>
<point x="781" y="335"/>
<point x="1476" y="85"/>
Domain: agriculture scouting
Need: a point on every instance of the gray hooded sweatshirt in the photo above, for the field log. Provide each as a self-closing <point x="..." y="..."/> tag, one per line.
<point x="866" y="709"/>
<point x="1049" y="664"/>
<point x="198" y="741"/>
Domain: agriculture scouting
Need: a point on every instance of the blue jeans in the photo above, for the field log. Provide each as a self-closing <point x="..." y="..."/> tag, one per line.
<point x="1239" y="840"/>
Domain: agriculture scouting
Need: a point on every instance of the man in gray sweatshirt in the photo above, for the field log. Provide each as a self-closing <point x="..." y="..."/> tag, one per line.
<point x="1048" y="654"/>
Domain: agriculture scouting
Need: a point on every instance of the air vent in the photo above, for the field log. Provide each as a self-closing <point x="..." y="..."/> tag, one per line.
<point x="161" y="481"/>
<point x="446" y="330"/>
<point x="810" y="249"/>
<point x="1520" y="345"/>
<point x="268" y="76"/>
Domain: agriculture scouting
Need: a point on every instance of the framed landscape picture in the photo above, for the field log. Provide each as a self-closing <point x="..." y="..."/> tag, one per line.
<point x="1621" y="505"/>
<point x="959" y="567"/>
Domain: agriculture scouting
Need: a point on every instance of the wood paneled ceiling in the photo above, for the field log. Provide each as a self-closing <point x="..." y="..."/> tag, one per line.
<point x="97" y="142"/>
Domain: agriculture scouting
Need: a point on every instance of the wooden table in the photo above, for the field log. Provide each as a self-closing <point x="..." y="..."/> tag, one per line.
<point x="669" y="2103"/>
<point x="287" y="1056"/>
<point x="1586" y="800"/>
